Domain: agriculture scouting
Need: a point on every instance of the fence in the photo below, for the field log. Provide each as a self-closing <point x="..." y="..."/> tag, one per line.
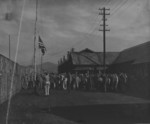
<point x="6" y="71"/>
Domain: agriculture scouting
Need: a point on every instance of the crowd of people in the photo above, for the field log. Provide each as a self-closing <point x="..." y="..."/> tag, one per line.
<point x="67" y="81"/>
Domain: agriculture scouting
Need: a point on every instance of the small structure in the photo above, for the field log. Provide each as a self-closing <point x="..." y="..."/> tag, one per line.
<point x="85" y="60"/>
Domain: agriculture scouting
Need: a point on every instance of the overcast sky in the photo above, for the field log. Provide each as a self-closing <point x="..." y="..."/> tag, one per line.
<point x="63" y="24"/>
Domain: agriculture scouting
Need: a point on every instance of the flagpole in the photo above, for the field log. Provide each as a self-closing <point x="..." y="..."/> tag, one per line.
<point x="9" y="46"/>
<point x="41" y="61"/>
<point x="35" y="38"/>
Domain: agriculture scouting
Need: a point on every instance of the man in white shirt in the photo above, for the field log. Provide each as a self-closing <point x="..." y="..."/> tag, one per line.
<point x="47" y="84"/>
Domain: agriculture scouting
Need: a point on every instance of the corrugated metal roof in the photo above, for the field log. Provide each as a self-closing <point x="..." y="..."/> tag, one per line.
<point x="136" y="54"/>
<point x="92" y="58"/>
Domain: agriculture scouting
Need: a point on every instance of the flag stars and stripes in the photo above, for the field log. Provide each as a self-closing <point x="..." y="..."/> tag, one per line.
<point x="41" y="46"/>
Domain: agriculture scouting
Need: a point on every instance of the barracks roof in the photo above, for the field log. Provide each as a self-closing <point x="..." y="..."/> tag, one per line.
<point x="89" y="57"/>
<point x="135" y="55"/>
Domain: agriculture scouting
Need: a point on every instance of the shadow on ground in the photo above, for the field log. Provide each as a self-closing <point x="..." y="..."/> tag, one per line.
<point x="61" y="107"/>
<point x="105" y="114"/>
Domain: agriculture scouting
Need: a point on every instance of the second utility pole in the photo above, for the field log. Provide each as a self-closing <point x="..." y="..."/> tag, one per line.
<point x="9" y="47"/>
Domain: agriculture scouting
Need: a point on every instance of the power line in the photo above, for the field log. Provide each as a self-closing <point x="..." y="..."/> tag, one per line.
<point x="80" y="41"/>
<point x="114" y="10"/>
<point x="119" y="7"/>
<point x="105" y="2"/>
<point x="89" y="33"/>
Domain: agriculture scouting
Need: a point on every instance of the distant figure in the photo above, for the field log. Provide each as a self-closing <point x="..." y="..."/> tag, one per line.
<point x="69" y="81"/>
<point x="77" y="81"/>
<point x="47" y="84"/>
<point x="41" y="81"/>
<point x="65" y="83"/>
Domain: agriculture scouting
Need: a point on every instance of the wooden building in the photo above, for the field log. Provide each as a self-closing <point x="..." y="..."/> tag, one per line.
<point x="85" y="60"/>
<point x="135" y="62"/>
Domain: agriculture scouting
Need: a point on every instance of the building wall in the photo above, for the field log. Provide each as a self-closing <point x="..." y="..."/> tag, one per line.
<point x="138" y="82"/>
<point x="6" y="69"/>
<point x="66" y="66"/>
<point x="85" y="59"/>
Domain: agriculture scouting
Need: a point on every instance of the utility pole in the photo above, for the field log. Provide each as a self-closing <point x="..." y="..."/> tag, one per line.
<point x="103" y="13"/>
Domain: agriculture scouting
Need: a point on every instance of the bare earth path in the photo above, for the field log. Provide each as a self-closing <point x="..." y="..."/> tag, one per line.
<point x="76" y="107"/>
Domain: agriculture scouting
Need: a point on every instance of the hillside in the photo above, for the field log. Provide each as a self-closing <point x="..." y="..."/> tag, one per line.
<point x="47" y="66"/>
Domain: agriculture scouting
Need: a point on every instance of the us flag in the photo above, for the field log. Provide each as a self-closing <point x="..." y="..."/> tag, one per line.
<point x="41" y="46"/>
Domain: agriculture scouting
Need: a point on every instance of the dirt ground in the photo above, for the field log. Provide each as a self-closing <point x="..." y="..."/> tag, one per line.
<point x="76" y="107"/>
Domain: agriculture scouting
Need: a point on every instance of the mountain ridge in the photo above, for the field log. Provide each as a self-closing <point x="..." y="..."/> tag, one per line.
<point x="47" y="66"/>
